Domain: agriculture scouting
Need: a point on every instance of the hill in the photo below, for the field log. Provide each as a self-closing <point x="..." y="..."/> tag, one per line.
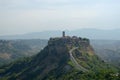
<point x="64" y="58"/>
<point x="88" y="33"/>
<point x="108" y="50"/>
<point x="11" y="50"/>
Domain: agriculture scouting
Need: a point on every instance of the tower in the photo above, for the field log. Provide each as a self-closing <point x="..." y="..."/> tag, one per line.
<point x="63" y="34"/>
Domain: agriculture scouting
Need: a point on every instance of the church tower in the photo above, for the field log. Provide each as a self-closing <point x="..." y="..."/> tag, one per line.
<point x="63" y="34"/>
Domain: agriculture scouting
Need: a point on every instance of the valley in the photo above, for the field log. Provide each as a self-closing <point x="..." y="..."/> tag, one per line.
<point x="11" y="50"/>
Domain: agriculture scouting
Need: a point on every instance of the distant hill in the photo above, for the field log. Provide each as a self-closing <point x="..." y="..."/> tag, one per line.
<point x="64" y="58"/>
<point x="89" y="33"/>
<point x="11" y="50"/>
<point x="108" y="50"/>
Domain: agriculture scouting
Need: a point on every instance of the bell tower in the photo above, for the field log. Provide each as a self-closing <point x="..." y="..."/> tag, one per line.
<point x="63" y="33"/>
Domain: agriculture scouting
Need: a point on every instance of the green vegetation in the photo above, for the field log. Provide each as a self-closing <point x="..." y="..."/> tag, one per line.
<point x="70" y="63"/>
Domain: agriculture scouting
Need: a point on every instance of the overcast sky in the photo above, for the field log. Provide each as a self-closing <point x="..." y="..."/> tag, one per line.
<point x="24" y="16"/>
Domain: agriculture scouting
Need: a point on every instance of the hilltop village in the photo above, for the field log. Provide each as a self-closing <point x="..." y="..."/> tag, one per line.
<point x="77" y="41"/>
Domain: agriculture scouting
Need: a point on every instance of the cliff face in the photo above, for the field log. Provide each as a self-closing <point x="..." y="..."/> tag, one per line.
<point x="82" y="43"/>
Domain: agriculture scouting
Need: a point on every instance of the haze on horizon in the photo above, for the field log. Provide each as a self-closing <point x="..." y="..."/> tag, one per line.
<point x="24" y="16"/>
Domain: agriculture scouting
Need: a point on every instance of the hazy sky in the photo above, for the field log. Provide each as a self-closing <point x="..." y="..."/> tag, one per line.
<point x="23" y="16"/>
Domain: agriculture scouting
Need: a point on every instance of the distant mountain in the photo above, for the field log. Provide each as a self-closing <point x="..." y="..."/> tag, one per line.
<point x="64" y="58"/>
<point x="89" y="33"/>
